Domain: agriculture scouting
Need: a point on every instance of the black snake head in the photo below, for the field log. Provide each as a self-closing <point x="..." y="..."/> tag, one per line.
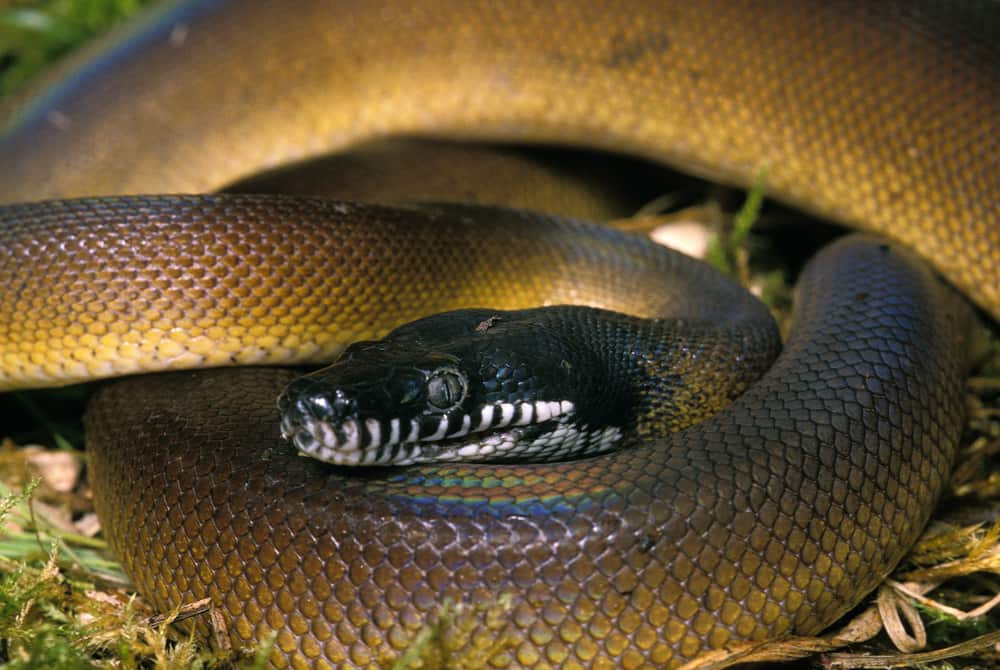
<point x="472" y="385"/>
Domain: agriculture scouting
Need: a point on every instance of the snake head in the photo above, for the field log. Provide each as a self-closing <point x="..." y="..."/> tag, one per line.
<point x="471" y="385"/>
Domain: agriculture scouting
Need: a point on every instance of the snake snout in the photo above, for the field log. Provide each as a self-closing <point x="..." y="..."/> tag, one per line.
<point x="307" y="398"/>
<point x="316" y="417"/>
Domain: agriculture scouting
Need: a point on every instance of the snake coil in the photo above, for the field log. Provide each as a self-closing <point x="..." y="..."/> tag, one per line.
<point x="773" y="517"/>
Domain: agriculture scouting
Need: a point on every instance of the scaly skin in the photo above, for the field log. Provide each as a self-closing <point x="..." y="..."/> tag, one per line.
<point x="878" y="115"/>
<point x="772" y="518"/>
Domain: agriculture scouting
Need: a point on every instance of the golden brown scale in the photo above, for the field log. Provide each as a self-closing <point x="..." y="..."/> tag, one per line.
<point x="102" y="287"/>
<point x="770" y="519"/>
<point x="879" y="115"/>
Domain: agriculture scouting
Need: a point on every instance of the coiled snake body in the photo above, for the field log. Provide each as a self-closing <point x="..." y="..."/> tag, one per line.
<point x="773" y="517"/>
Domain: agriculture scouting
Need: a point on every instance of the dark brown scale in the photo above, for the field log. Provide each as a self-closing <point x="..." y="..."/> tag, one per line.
<point x="773" y="517"/>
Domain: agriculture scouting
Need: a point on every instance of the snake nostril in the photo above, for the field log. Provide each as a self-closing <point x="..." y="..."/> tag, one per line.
<point x="306" y="399"/>
<point x="318" y="404"/>
<point x="318" y="407"/>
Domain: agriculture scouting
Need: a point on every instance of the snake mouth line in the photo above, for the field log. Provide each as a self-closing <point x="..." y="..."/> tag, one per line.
<point x="371" y="441"/>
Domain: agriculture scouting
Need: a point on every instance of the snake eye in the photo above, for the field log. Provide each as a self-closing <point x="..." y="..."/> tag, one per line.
<point x="446" y="388"/>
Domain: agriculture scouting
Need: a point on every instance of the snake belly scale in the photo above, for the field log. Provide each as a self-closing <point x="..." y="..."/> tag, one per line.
<point x="773" y="517"/>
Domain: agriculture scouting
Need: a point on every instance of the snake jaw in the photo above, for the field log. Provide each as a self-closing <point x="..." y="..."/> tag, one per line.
<point x="354" y="440"/>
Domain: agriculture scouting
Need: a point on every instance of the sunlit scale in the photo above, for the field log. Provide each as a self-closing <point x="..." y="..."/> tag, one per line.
<point x="396" y="441"/>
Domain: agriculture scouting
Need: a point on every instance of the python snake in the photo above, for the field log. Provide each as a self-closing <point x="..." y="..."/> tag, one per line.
<point x="773" y="517"/>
